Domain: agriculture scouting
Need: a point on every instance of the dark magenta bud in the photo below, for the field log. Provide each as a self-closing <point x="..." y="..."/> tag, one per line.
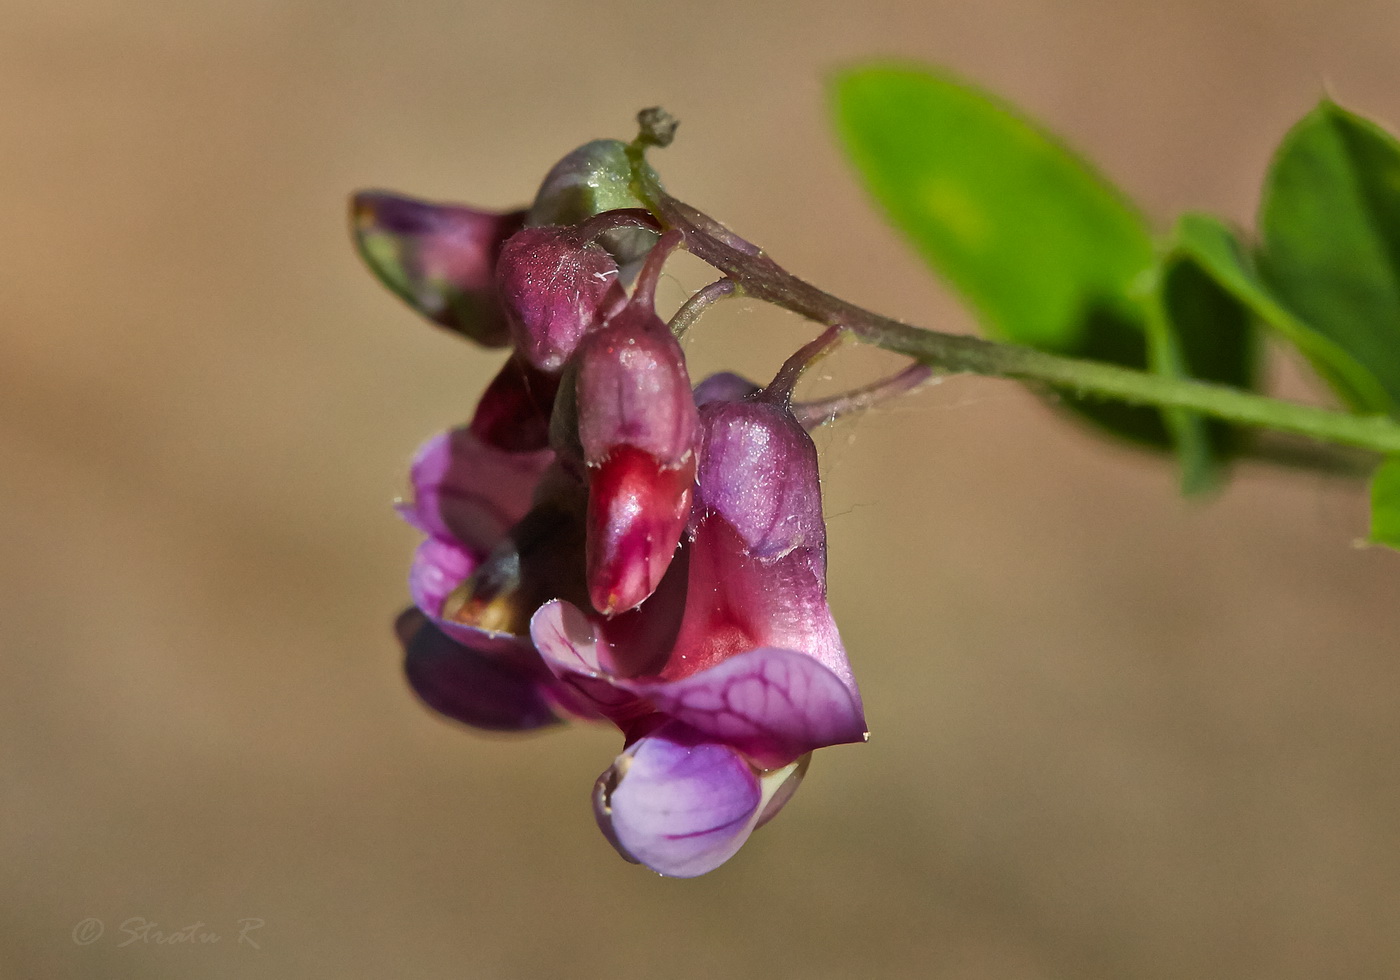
<point x="555" y="288"/>
<point x="438" y="258"/>
<point x="633" y="389"/>
<point x="638" y="430"/>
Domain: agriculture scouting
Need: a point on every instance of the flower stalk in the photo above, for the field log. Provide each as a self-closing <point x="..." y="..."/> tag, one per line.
<point x="756" y="275"/>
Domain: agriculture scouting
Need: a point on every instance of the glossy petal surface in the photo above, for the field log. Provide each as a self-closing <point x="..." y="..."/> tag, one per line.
<point x="633" y="390"/>
<point x="772" y="705"/>
<point x="678" y="804"/>
<point x="637" y="511"/>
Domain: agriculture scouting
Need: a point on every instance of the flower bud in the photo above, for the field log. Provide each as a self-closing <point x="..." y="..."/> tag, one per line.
<point x="637" y="509"/>
<point x="596" y="177"/>
<point x="637" y="428"/>
<point x="633" y="389"/>
<point x="555" y="288"/>
<point x="758" y="470"/>
<point x="438" y="258"/>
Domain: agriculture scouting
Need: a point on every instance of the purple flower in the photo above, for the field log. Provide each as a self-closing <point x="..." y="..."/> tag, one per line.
<point x="603" y="542"/>
<point x="733" y="671"/>
<point x="490" y="556"/>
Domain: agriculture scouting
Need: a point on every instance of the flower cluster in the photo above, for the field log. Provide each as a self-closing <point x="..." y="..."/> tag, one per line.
<point x="604" y="541"/>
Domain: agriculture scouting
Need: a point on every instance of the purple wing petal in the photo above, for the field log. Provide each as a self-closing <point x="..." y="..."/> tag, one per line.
<point x="470" y="492"/>
<point x="438" y="258"/>
<point x="677" y="803"/>
<point x="467" y="685"/>
<point x="773" y="705"/>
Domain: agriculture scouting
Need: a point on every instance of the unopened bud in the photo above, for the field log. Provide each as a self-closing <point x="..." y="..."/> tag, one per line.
<point x="638" y="429"/>
<point x="555" y="289"/>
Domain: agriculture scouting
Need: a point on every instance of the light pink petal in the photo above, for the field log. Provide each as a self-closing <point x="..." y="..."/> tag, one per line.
<point x="570" y="646"/>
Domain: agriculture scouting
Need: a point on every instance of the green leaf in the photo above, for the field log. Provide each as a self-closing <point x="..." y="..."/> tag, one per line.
<point x="1330" y="222"/>
<point x="1024" y="229"/>
<point x="1214" y="247"/>
<point x="1047" y="252"/>
<point x="1385" y="503"/>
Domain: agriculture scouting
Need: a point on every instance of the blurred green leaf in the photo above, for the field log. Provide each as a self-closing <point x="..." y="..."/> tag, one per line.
<point x="1385" y="503"/>
<point x="1024" y="229"/>
<point x="1330" y="222"/>
<point x="1048" y="252"/>
<point x="1214" y="247"/>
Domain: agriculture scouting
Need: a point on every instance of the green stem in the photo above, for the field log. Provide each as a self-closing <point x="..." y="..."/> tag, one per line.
<point x="757" y="275"/>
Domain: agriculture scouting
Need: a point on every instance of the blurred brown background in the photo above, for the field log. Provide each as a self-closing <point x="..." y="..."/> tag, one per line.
<point x="1116" y="735"/>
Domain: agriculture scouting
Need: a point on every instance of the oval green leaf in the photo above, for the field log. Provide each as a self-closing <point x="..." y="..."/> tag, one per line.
<point x="1044" y="249"/>
<point x="1330" y="222"/>
<point x="1385" y="504"/>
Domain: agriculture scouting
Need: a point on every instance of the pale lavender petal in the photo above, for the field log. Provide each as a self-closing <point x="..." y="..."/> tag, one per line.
<point x="467" y="685"/>
<point x="471" y="492"/>
<point x="567" y="639"/>
<point x="772" y="705"/>
<point x="677" y="803"/>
